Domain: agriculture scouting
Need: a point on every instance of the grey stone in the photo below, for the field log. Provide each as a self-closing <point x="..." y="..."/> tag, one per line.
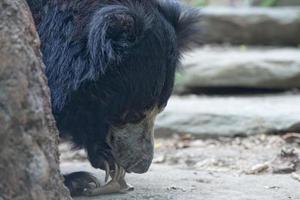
<point x="215" y="116"/>
<point x="241" y="67"/>
<point x="246" y="25"/>
<point x="278" y="2"/>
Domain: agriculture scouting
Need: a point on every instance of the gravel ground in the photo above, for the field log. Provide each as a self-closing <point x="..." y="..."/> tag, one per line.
<point x="253" y="168"/>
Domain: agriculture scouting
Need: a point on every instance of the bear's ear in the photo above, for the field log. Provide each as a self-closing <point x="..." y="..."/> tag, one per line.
<point x="186" y="22"/>
<point x="112" y="30"/>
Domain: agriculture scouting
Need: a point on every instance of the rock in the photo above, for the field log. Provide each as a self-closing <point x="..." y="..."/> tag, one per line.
<point x="286" y="162"/>
<point x="276" y="3"/>
<point x="267" y="68"/>
<point x="216" y="116"/>
<point x="246" y="25"/>
<point x="29" y="163"/>
<point x="296" y="176"/>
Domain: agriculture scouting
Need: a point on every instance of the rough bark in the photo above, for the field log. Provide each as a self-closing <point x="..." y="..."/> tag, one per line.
<point x="29" y="160"/>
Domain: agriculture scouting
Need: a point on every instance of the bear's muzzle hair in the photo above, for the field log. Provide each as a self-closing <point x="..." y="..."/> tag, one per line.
<point x="133" y="144"/>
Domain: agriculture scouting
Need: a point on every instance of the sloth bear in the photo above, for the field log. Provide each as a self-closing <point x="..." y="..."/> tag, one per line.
<point x="110" y="66"/>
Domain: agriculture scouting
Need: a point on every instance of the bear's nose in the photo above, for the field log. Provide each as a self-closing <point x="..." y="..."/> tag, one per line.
<point x="141" y="166"/>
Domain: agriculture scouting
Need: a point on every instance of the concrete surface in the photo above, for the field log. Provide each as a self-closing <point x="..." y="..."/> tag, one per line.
<point x="188" y="169"/>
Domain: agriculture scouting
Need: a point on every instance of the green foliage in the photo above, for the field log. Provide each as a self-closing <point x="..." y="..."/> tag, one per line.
<point x="198" y="3"/>
<point x="268" y="3"/>
<point x="201" y="3"/>
<point x="243" y="47"/>
<point x="178" y="78"/>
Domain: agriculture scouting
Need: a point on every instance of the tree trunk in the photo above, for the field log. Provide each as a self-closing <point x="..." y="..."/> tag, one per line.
<point x="29" y="160"/>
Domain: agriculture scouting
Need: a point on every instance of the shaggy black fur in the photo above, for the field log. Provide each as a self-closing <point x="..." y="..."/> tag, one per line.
<point x="108" y="58"/>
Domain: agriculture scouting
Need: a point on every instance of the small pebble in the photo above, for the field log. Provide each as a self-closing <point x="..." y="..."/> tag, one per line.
<point x="258" y="168"/>
<point x="295" y="176"/>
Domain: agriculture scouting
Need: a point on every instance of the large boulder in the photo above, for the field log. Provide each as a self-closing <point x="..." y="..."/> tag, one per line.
<point x="29" y="166"/>
<point x="244" y="3"/>
<point x="215" y="116"/>
<point x="276" y="3"/>
<point x="263" y="68"/>
<point x="259" y="26"/>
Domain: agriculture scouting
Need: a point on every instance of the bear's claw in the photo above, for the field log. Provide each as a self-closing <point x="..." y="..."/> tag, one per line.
<point x="117" y="184"/>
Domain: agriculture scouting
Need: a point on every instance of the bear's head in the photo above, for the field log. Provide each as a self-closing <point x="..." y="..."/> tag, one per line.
<point x="135" y="47"/>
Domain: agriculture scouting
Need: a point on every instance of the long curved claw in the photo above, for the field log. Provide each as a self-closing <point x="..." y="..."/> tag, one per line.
<point x="125" y="187"/>
<point x="117" y="174"/>
<point x="107" y="170"/>
<point x="123" y="174"/>
<point x="117" y="183"/>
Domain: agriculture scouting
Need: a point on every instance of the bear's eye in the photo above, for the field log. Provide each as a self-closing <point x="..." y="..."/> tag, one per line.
<point x="134" y="117"/>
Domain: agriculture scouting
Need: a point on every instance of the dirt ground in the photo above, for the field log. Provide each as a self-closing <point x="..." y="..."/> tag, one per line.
<point x="252" y="168"/>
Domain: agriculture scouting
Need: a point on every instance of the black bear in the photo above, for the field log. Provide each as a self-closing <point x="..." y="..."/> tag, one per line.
<point x="110" y="66"/>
